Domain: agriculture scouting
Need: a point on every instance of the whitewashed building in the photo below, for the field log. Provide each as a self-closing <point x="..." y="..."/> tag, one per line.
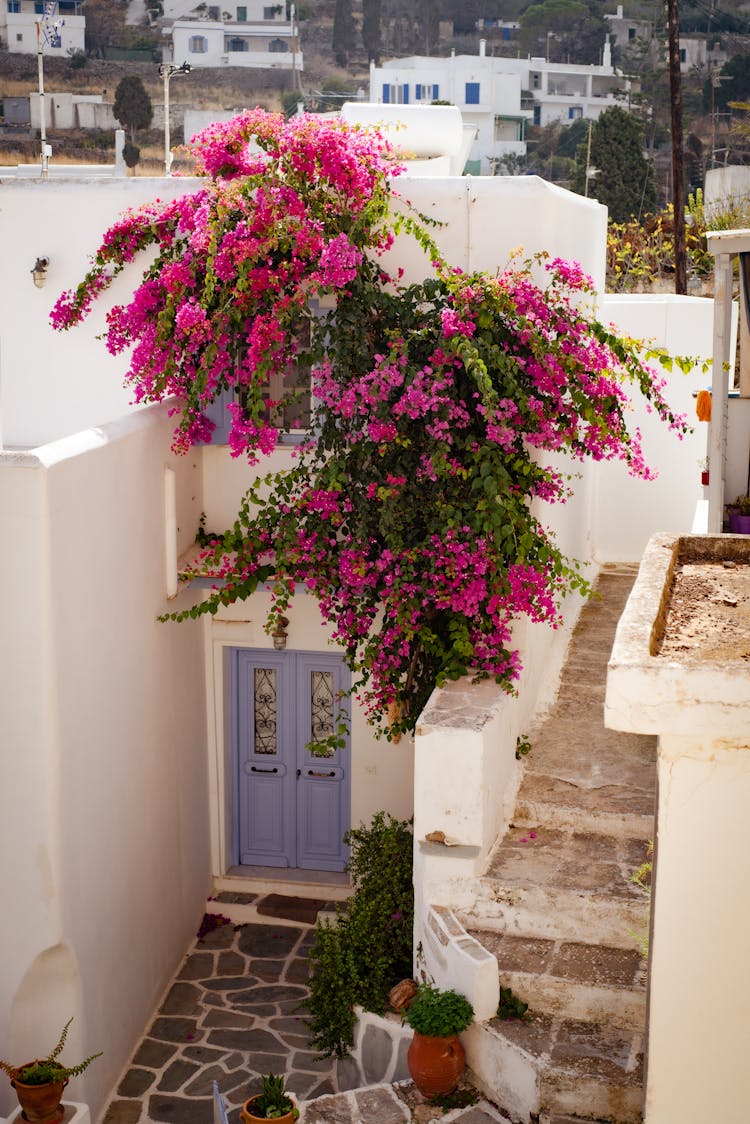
<point x="19" y="20"/>
<point x="256" y="34"/>
<point x="120" y="808"/>
<point x="501" y="96"/>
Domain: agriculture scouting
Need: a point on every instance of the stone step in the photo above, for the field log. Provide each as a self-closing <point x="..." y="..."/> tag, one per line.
<point x="391" y="1104"/>
<point x="613" y="809"/>
<point x="549" y="1065"/>
<point x="571" y="979"/>
<point x="544" y="882"/>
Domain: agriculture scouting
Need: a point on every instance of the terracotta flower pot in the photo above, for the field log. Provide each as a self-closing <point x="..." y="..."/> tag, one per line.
<point x="247" y="1116"/>
<point x="435" y="1064"/>
<point x="40" y="1103"/>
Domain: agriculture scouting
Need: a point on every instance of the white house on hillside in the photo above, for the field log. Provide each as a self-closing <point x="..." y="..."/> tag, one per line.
<point x="18" y="27"/>
<point x="500" y="96"/>
<point x="256" y="34"/>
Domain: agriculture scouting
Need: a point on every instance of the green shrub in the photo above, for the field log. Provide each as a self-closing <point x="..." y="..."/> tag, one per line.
<point x="369" y="949"/>
<point x="439" y="1014"/>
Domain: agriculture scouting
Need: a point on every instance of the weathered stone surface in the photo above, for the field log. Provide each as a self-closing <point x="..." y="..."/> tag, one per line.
<point x="348" y="1075"/>
<point x="329" y="1110"/>
<point x="123" y="1112"/>
<point x="255" y="1041"/>
<point x="202" y="1085"/>
<point x="230" y="963"/>
<point x="175" y="1030"/>
<point x="268" y="940"/>
<point x="176" y="1074"/>
<point x="135" y="1082"/>
<point x="401" y="1071"/>
<point x="593" y="1050"/>
<point x="377" y="1050"/>
<point x="298" y="970"/>
<point x="228" y="983"/>
<point x="179" y="1110"/>
<point x="302" y="1084"/>
<point x="476" y="1115"/>
<point x="237" y="1019"/>
<point x="153" y="1054"/>
<point x="231" y="896"/>
<point x="181" y="999"/>
<point x="221" y="937"/>
<point x="380" y="1105"/>
<point x="205" y="1055"/>
<point x="598" y="964"/>
<point x="322" y="1089"/>
<point x="310" y="1063"/>
<point x="197" y="966"/>
<point x="270" y="993"/>
<point x="270" y="971"/>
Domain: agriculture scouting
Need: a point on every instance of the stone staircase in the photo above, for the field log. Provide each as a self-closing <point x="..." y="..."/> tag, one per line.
<point x="557" y="906"/>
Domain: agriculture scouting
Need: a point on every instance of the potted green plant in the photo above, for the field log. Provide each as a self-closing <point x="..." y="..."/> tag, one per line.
<point x="435" y="1057"/>
<point x="39" y="1084"/>
<point x="271" y="1103"/>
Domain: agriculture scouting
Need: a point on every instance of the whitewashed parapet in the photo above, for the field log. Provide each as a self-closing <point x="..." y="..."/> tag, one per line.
<point x="457" y="961"/>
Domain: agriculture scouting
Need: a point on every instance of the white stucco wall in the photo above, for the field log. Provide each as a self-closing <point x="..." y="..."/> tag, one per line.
<point x="698" y="704"/>
<point x="53" y="384"/>
<point x="627" y="511"/>
<point x="103" y="817"/>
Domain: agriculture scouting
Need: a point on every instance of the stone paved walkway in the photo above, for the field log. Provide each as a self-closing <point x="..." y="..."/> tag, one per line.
<point x="231" y="1014"/>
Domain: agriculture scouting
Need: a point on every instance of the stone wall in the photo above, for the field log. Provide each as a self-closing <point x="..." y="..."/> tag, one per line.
<point x="379" y="1053"/>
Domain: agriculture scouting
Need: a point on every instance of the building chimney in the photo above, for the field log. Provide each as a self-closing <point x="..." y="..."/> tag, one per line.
<point x="482" y="48"/>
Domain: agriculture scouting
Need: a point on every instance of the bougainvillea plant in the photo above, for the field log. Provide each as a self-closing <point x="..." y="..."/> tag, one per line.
<point x="413" y="511"/>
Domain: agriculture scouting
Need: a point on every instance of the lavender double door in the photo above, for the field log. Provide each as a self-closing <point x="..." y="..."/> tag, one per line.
<point x="291" y="808"/>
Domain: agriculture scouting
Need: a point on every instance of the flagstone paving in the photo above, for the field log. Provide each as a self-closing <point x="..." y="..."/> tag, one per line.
<point x="231" y="1014"/>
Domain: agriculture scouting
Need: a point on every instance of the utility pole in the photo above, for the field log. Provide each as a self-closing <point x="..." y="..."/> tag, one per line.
<point x="678" y="161"/>
<point x="42" y="110"/>
<point x="168" y="70"/>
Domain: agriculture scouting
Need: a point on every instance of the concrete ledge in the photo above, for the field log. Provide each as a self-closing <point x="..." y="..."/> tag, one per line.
<point x="75" y="1113"/>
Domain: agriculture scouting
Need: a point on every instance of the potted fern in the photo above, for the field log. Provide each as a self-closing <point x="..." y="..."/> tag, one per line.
<point x="436" y="1058"/>
<point x="271" y="1103"/>
<point x="39" y="1084"/>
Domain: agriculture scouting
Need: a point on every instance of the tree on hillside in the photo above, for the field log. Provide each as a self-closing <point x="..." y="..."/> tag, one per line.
<point x="372" y="29"/>
<point x="577" y="30"/>
<point x="132" y="107"/>
<point x="105" y="20"/>
<point x="624" y="179"/>
<point x="343" y="32"/>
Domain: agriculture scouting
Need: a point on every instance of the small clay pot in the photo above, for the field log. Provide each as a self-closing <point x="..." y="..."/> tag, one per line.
<point x="435" y="1064"/>
<point x="40" y="1103"/>
<point x="247" y="1116"/>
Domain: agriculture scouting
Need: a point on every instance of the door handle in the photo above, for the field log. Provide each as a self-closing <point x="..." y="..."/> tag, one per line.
<point x="255" y="769"/>
<point x="313" y="773"/>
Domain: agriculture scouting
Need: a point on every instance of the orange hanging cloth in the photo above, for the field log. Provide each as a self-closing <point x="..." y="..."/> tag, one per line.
<point x="703" y="405"/>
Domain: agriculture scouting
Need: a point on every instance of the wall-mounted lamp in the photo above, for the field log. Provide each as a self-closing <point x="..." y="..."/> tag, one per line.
<point x="279" y="633"/>
<point x="39" y="272"/>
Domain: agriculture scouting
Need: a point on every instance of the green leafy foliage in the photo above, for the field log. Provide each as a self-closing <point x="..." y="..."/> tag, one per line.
<point x="523" y="746"/>
<point x="132" y="106"/>
<point x="625" y="179"/>
<point x="459" y="1098"/>
<point x="368" y="950"/>
<point x="274" y="1101"/>
<point x="439" y="1014"/>
<point x="510" y="1006"/>
<point x="43" y="1071"/>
